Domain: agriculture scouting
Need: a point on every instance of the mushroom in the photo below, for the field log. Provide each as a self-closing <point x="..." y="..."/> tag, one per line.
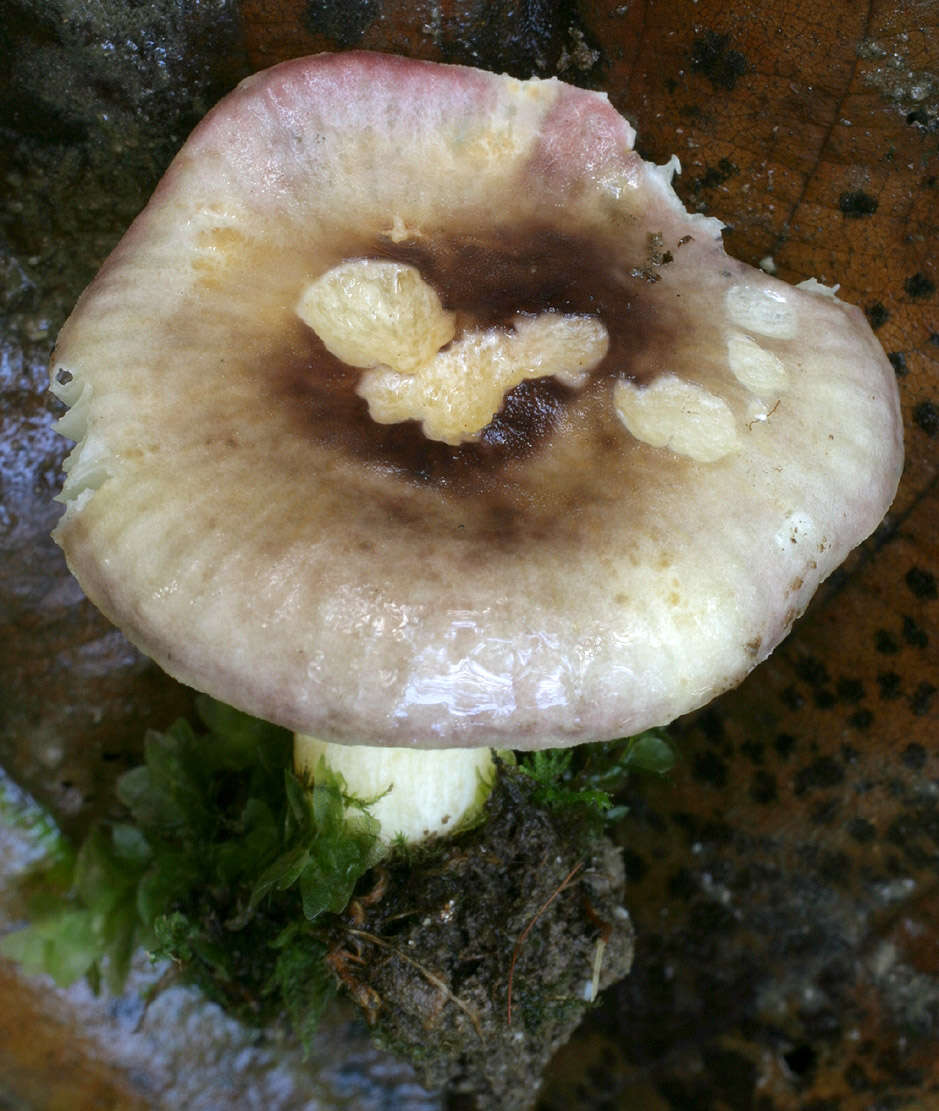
<point x="415" y="411"/>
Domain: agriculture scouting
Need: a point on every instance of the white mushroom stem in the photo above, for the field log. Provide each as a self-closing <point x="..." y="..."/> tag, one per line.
<point x="413" y="793"/>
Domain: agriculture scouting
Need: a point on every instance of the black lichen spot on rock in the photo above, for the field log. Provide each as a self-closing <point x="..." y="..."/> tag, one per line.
<point x="784" y="745"/>
<point x="886" y="643"/>
<point x="918" y="117"/>
<point x="712" y="725"/>
<point x="839" y="577"/>
<point x="753" y="750"/>
<point x="340" y="21"/>
<point x="877" y="315"/>
<point x="801" y="1060"/>
<point x="688" y="824"/>
<point x="857" y="203"/>
<point x="823" y="772"/>
<point x="824" y="699"/>
<point x="898" y="362"/>
<point x="890" y="684"/>
<point x="709" y="768"/>
<point x="792" y="698"/>
<point x="914" y="633"/>
<point x="922" y="583"/>
<point x="813" y="671"/>
<point x="710" y="55"/>
<point x="919" y="286"/>
<point x="763" y="787"/>
<point x="922" y="698"/>
<point x="861" y="830"/>
<point x="850" y="690"/>
<point x="861" y="719"/>
<point x="913" y="757"/>
<point x="926" y="415"/>
<point x="914" y="830"/>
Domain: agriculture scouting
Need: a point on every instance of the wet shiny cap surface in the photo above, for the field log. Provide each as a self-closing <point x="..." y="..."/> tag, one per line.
<point x="623" y="540"/>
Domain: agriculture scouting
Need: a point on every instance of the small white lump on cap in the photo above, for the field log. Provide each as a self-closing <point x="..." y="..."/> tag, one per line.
<point x="678" y="415"/>
<point x="766" y="311"/>
<point x="755" y="367"/>
<point x="372" y="311"/>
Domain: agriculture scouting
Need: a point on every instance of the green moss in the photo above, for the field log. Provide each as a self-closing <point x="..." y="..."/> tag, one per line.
<point x="246" y="880"/>
<point x="588" y="778"/>
<point x="227" y="866"/>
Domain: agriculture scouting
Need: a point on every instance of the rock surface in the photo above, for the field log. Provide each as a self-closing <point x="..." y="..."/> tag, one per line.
<point x="783" y="882"/>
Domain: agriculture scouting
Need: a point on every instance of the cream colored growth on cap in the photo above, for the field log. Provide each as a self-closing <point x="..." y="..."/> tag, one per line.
<point x="383" y="316"/>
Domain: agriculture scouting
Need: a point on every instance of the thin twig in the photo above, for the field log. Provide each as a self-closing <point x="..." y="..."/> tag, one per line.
<point x="566" y="882"/>
<point x="606" y="929"/>
<point x="426" y="973"/>
<point x="172" y="975"/>
<point x="597" y="969"/>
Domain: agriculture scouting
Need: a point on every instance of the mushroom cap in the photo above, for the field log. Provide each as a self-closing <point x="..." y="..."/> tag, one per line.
<point x="599" y="560"/>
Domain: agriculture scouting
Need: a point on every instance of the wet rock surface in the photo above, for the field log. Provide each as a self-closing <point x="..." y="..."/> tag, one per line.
<point x="94" y="101"/>
<point x="783" y="882"/>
